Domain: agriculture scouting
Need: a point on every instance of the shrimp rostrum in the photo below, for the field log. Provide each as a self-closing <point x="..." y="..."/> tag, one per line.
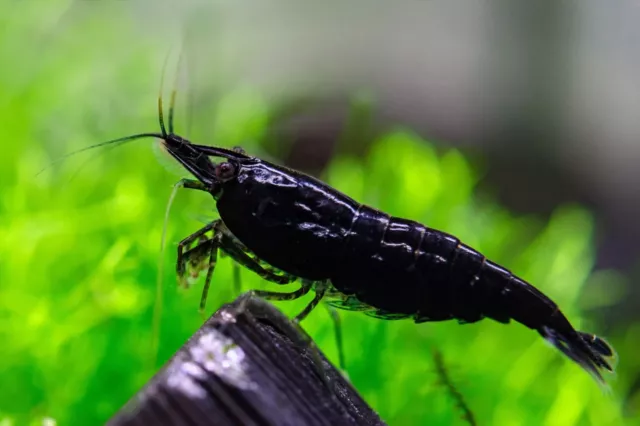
<point x="287" y="226"/>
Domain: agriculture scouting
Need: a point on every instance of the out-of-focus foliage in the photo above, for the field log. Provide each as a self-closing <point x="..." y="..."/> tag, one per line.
<point x="80" y="244"/>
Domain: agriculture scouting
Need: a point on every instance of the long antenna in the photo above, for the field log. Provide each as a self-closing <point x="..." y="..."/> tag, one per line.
<point x="118" y="141"/>
<point x="160" y="108"/>
<point x="172" y="103"/>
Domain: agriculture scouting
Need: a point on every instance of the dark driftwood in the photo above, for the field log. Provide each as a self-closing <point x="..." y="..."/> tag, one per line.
<point x="247" y="365"/>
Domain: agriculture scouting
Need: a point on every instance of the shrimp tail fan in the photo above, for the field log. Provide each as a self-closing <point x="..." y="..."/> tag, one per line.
<point x="591" y="352"/>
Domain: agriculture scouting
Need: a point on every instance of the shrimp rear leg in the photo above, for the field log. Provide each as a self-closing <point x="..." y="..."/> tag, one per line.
<point x="319" y="287"/>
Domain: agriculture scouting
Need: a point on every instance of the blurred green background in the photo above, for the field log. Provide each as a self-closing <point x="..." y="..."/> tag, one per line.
<point x="80" y="244"/>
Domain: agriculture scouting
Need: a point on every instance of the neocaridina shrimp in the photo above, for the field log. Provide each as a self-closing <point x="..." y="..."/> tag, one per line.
<point x="287" y="226"/>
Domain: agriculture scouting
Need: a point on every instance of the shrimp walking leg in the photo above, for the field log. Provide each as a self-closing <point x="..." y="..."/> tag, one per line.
<point x="320" y="290"/>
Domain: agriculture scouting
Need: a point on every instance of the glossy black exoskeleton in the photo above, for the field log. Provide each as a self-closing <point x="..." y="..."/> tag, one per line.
<point x="286" y="225"/>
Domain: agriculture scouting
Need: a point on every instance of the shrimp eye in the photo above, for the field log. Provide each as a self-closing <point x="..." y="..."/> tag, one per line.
<point x="225" y="171"/>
